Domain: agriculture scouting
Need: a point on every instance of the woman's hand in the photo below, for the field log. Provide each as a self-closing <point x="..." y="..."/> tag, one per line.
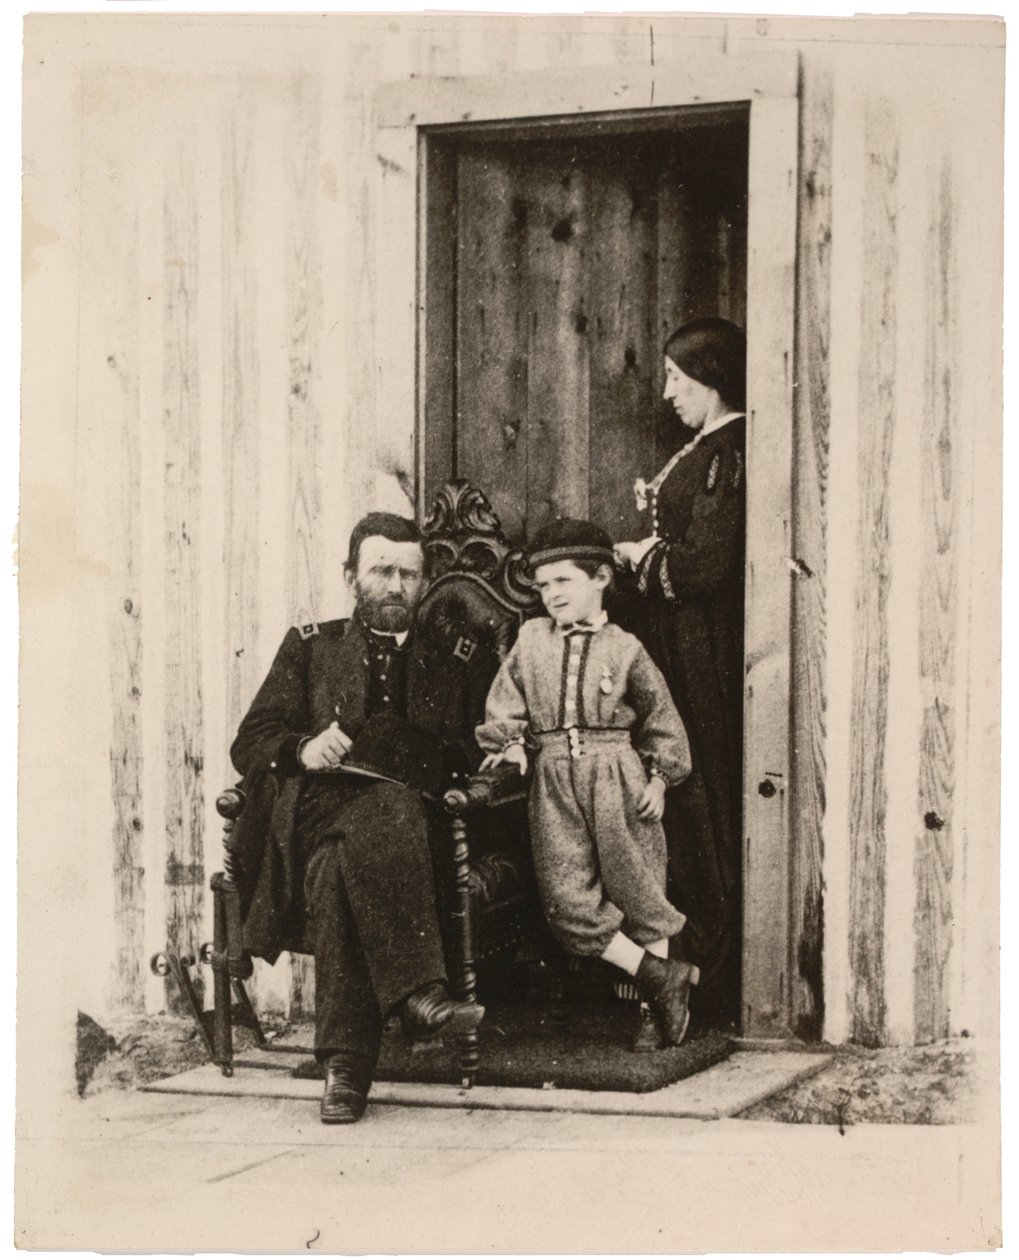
<point x="651" y="806"/>
<point x="631" y="554"/>
<point x="515" y="754"/>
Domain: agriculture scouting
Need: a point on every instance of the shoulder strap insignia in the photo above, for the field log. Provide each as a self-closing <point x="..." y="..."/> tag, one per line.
<point x="713" y="471"/>
<point x="464" y="649"/>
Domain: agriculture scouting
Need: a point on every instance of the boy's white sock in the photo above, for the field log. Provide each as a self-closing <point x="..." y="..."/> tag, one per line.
<point x="660" y="949"/>
<point x="624" y="953"/>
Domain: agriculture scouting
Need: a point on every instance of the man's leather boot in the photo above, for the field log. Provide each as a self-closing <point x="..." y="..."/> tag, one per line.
<point x="346" y="1091"/>
<point x="431" y="1013"/>
<point x="665" y="984"/>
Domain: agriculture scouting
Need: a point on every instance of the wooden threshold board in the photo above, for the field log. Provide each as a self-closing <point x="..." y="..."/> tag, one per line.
<point x="726" y="1089"/>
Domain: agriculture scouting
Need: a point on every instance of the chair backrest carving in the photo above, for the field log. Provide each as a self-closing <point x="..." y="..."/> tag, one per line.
<point x="463" y="534"/>
<point x="479" y="585"/>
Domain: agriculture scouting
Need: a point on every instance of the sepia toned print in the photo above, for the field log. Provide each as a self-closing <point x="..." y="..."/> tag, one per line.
<point x="282" y="271"/>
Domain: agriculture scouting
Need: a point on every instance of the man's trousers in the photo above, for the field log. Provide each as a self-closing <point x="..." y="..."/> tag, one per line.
<point x="370" y="898"/>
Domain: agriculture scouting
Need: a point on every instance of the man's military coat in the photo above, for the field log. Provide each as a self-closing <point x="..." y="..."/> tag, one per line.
<point x="316" y="679"/>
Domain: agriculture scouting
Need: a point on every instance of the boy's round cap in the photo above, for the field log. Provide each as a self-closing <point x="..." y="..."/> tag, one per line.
<point x="569" y="540"/>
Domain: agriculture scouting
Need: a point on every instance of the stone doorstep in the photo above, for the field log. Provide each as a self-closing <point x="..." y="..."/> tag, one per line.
<point x="745" y="1078"/>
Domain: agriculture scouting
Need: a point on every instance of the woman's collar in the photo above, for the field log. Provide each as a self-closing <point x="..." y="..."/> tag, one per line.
<point x="712" y="426"/>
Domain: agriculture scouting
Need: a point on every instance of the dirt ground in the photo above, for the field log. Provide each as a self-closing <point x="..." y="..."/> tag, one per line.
<point x="934" y="1084"/>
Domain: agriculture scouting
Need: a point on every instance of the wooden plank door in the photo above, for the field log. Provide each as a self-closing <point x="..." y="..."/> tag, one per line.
<point x="574" y="259"/>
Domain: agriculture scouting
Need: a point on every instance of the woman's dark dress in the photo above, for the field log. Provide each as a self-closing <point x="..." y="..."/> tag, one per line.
<point x="692" y="615"/>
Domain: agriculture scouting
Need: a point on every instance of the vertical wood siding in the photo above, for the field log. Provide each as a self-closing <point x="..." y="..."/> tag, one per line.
<point x="869" y="733"/>
<point x="813" y="334"/>
<point x="126" y="634"/>
<point x="935" y="857"/>
<point x="304" y="404"/>
<point x="242" y="402"/>
<point x="184" y="870"/>
<point x="257" y="302"/>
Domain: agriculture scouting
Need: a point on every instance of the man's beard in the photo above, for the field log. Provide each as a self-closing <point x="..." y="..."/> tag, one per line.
<point x="388" y="613"/>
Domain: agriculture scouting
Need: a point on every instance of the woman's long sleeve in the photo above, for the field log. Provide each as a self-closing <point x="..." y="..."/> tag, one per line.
<point x="709" y="555"/>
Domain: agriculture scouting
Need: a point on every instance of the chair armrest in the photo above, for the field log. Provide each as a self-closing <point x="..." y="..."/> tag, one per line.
<point x="487" y="791"/>
<point x="230" y="804"/>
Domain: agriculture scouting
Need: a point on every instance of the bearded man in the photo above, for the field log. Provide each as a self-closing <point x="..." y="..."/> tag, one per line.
<point x="339" y="865"/>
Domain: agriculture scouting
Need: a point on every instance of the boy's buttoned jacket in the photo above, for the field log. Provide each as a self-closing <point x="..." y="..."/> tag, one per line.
<point x="617" y="686"/>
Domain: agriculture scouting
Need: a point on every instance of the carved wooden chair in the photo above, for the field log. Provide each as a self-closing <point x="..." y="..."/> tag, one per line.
<point x="475" y="603"/>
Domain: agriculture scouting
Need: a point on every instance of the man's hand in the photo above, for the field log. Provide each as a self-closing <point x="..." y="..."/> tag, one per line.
<point x="652" y="802"/>
<point x="515" y="754"/>
<point x="325" y="751"/>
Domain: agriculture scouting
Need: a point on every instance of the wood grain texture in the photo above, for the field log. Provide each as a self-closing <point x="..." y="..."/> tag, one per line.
<point x="492" y="330"/>
<point x="304" y="408"/>
<point x="126" y="630"/>
<point x="184" y="870"/>
<point x="360" y="410"/>
<point x="620" y="330"/>
<point x="558" y="432"/>
<point x="674" y="290"/>
<point x="702" y="239"/>
<point x="632" y="247"/>
<point x="869" y="712"/>
<point x="810" y="486"/>
<point x="241" y="408"/>
<point x="304" y="337"/>
<point x="771" y="298"/>
<point x="437" y="361"/>
<point x="675" y="80"/>
<point x="934" y="914"/>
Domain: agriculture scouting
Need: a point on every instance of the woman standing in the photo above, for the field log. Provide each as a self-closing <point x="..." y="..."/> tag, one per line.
<point x="689" y="571"/>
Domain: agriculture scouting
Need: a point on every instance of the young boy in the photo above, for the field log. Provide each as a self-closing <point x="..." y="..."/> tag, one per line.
<point x="586" y="699"/>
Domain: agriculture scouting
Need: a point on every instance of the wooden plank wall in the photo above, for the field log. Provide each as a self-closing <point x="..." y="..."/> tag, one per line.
<point x="869" y="712"/>
<point x="229" y="433"/>
<point x="809" y="646"/>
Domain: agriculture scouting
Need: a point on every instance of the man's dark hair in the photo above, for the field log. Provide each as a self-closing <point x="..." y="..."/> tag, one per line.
<point x="383" y="525"/>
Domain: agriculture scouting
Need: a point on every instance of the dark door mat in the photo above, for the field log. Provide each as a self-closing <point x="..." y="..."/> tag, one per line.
<point x="522" y="1047"/>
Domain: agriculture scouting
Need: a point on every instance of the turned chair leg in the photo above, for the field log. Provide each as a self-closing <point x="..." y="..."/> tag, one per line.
<point x="231" y="966"/>
<point x="469" y="1046"/>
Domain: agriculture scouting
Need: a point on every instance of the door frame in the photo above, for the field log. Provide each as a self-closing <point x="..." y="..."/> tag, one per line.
<point x="412" y="261"/>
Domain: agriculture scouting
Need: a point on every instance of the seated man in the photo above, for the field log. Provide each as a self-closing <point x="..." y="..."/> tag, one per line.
<point x="355" y="847"/>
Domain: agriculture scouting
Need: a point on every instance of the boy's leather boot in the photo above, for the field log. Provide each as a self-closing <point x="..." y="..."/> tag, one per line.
<point x="665" y="984"/>
<point x="649" y="1036"/>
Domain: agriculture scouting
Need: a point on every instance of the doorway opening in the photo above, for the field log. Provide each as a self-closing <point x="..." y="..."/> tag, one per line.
<point x="559" y="256"/>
